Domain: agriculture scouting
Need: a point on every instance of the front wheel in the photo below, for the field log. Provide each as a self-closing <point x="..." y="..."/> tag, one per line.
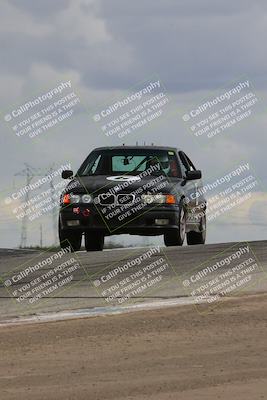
<point x="176" y="237"/>
<point x="94" y="241"/>
<point x="193" y="238"/>
<point x="69" y="238"/>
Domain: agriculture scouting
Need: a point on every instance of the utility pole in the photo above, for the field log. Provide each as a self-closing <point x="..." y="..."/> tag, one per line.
<point x="54" y="210"/>
<point x="41" y="236"/>
<point x="30" y="173"/>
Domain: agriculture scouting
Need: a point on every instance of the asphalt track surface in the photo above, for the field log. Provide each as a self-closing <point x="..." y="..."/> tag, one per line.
<point x="95" y="286"/>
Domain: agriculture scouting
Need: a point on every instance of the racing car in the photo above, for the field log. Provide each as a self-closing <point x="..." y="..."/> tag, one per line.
<point x="136" y="190"/>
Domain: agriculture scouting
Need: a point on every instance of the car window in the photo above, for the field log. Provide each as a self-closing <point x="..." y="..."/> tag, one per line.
<point x="95" y="164"/>
<point x="128" y="164"/>
<point x="184" y="163"/>
<point x="187" y="164"/>
<point x="191" y="165"/>
<point x="131" y="161"/>
<point x="92" y="165"/>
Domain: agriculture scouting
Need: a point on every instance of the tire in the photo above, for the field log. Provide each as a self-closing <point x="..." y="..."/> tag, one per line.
<point x="69" y="238"/>
<point x="193" y="238"/>
<point x="94" y="241"/>
<point x="176" y="237"/>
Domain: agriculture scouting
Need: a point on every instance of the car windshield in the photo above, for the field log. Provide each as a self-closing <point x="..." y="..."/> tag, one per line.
<point x="130" y="161"/>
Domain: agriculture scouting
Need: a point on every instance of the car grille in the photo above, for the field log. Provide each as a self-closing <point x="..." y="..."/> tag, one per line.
<point x="106" y="199"/>
<point x="125" y="199"/>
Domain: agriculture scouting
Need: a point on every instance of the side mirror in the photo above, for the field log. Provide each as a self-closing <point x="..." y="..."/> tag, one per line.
<point x="192" y="175"/>
<point x="67" y="174"/>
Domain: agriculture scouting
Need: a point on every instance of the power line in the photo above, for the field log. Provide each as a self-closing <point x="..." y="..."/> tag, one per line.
<point x="30" y="173"/>
<point x="54" y="211"/>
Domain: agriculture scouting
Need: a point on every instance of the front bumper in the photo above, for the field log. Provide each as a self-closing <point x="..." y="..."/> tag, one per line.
<point x="151" y="221"/>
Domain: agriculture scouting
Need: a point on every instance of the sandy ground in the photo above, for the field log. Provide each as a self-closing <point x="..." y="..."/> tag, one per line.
<point x="174" y="353"/>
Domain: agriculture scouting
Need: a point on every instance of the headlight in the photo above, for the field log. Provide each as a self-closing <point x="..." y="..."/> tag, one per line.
<point x="77" y="198"/>
<point x="158" y="199"/>
<point x="87" y="198"/>
<point x="148" y="198"/>
<point x="83" y="198"/>
<point x="74" y="198"/>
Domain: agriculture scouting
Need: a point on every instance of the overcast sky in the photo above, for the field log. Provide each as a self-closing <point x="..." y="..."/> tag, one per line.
<point x="106" y="48"/>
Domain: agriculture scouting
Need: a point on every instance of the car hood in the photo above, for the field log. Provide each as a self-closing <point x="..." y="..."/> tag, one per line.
<point x="124" y="184"/>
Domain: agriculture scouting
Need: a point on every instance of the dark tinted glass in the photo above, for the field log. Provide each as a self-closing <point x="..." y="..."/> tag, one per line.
<point x="118" y="162"/>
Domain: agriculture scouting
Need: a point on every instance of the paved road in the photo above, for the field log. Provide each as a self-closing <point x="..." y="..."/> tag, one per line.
<point x="34" y="282"/>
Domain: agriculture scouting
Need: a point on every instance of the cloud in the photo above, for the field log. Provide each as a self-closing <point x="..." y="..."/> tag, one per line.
<point x="106" y="47"/>
<point x="40" y="9"/>
<point x="191" y="45"/>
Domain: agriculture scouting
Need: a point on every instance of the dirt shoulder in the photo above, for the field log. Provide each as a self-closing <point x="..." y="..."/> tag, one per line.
<point x="174" y="353"/>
